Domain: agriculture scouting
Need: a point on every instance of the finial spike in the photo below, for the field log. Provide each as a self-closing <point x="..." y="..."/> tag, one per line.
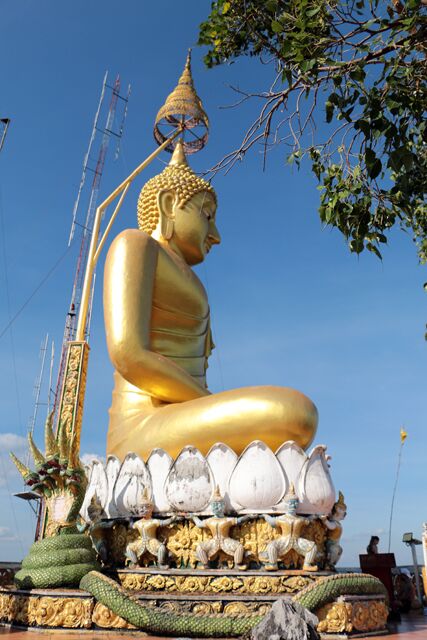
<point x="73" y="453"/>
<point x="178" y="156"/>
<point x="63" y="443"/>
<point x="23" y="470"/>
<point x="51" y="446"/>
<point x="38" y="457"/>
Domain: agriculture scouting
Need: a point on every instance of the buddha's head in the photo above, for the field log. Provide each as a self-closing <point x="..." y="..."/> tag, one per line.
<point x="291" y="501"/>
<point x="178" y="207"/>
<point x="218" y="504"/>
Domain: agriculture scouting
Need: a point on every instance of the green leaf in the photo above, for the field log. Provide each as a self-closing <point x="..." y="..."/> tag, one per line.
<point x="375" y="169"/>
<point x="307" y="65"/>
<point x="358" y="74"/>
<point x="312" y="12"/>
<point x="370" y="157"/>
<point x="276" y="26"/>
<point x="329" y="108"/>
<point x="364" y="126"/>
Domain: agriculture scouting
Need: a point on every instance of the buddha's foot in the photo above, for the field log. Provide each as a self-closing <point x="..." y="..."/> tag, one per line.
<point x="271" y="567"/>
<point x="242" y="567"/>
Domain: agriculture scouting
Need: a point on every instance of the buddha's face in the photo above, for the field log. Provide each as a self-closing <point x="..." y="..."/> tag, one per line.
<point x="191" y="228"/>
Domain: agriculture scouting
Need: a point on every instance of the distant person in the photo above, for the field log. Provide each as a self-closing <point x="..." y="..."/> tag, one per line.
<point x="372" y="548"/>
<point x="404" y="591"/>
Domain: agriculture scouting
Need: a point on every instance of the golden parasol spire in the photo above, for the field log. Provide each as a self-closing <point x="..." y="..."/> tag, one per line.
<point x="183" y="106"/>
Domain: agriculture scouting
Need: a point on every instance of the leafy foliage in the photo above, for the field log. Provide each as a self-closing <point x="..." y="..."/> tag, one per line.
<point x="350" y="84"/>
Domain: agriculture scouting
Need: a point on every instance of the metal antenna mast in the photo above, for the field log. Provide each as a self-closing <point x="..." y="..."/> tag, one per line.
<point x="37" y="385"/>
<point x="100" y="137"/>
<point x="4" y="125"/>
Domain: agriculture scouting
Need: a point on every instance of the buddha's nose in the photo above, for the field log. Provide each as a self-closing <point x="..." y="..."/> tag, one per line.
<point x="214" y="235"/>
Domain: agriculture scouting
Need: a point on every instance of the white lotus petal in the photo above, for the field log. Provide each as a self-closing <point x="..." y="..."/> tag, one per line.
<point x="159" y="464"/>
<point x="222" y="460"/>
<point x="292" y="458"/>
<point x="132" y="480"/>
<point x="112" y="471"/>
<point x="189" y="484"/>
<point x="98" y="485"/>
<point x="315" y="486"/>
<point x="257" y="482"/>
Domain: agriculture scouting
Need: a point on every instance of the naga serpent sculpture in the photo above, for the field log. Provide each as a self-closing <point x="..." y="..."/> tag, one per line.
<point x="66" y="558"/>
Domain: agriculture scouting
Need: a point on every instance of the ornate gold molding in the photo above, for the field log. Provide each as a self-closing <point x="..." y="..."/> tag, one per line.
<point x="71" y="612"/>
<point x="345" y="617"/>
<point x="103" y="617"/>
<point x="335" y="618"/>
<point x="196" y="583"/>
<point x="370" y="615"/>
<point x="73" y="391"/>
<point x="46" y="611"/>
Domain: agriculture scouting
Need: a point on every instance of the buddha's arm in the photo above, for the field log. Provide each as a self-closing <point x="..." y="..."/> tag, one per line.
<point x="129" y="277"/>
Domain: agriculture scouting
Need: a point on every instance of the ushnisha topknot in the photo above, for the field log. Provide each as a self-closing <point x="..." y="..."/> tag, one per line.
<point x="178" y="177"/>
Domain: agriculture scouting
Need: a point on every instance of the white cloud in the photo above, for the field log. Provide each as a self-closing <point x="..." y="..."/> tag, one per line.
<point x="12" y="442"/>
<point x="9" y="475"/>
<point x="87" y="458"/>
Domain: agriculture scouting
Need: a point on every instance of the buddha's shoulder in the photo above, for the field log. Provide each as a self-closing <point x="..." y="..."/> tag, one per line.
<point x="134" y="239"/>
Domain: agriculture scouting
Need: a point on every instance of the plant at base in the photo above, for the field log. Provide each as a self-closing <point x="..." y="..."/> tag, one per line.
<point x="361" y="66"/>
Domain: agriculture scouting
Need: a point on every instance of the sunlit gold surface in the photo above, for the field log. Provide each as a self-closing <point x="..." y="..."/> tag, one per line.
<point x="159" y="340"/>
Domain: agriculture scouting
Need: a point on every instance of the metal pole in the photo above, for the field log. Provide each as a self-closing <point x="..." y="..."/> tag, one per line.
<point x="84" y="304"/>
<point x="38" y="386"/>
<point x="5" y="122"/>
<point x="416" y="570"/>
<point x="86" y="159"/>
<point x="52" y="360"/>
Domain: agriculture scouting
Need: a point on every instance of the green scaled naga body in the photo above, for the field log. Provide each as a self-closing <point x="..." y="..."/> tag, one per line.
<point x="66" y="558"/>
<point x="65" y="555"/>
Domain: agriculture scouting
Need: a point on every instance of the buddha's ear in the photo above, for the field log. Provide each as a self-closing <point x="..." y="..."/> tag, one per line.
<point x="166" y="199"/>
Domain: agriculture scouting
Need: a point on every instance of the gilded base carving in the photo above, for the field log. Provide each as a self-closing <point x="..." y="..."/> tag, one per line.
<point x="103" y="617"/>
<point x="335" y="618"/>
<point x="348" y="617"/>
<point x="46" y="611"/>
<point x="214" y="584"/>
<point x="181" y="541"/>
<point x="368" y="616"/>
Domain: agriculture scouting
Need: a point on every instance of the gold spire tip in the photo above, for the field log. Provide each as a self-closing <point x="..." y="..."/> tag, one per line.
<point x="183" y="108"/>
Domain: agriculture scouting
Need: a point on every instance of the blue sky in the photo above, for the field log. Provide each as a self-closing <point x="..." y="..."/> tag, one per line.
<point x="290" y="305"/>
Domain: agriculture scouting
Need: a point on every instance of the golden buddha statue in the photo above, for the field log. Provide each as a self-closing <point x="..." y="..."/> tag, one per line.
<point x="158" y="330"/>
